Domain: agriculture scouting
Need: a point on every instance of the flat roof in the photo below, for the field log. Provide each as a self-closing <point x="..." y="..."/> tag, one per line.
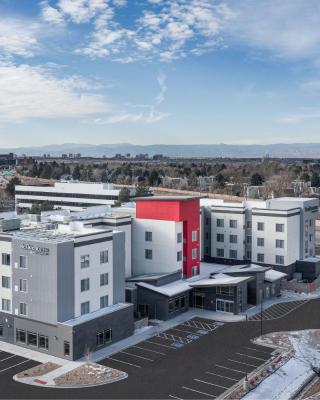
<point x="272" y="275"/>
<point x="95" y="314"/>
<point x="245" y="268"/>
<point x="168" y="198"/>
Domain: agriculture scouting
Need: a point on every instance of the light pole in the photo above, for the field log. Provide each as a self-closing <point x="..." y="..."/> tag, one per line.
<point x="261" y="311"/>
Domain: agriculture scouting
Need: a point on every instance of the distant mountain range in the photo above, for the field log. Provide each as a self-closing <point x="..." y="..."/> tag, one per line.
<point x="292" y="150"/>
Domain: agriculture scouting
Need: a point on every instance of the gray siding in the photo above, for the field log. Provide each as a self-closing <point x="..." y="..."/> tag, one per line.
<point x="119" y="267"/>
<point x="65" y="281"/>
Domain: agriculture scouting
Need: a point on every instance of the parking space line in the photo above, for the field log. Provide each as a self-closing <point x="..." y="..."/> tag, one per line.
<point x="230" y="369"/>
<point x="162" y="345"/>
<point x="6" y="369"/>
<point x="175" y="397"/>
<point x="261" y="351"/>
<point x="256" y="358"/>
<point x="240" y="362"/>
<point x="180" y="330"/>
<point x="8" y="358"/>
<point x="198" y="391"/>
<point x="221" y="376"/>
<point x="209" y="383"/>
<point x="134" y="355"/>
<point x="151" y="351"/>
<point x="123" y="362"/>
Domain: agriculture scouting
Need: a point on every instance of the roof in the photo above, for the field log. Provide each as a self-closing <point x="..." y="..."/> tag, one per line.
<point x="247" y="268"/>
<point x="272" y="275"/>
<point x="96" y="314"/>
<point x="171" y="289"/>
<point x="152" y="276"/>
<point x="168" y="198"/>
<point x="220" y="280"/>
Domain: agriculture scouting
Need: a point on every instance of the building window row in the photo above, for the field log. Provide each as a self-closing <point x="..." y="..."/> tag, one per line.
<point x="6" y="305"/>
<point x="5" y="259"/>
<point x="6" y="282"/>
<point x="32" y="339"/>
<point x="177" y="303"/>
<point x="104" y="337"/>
<point x="85" y="259"/>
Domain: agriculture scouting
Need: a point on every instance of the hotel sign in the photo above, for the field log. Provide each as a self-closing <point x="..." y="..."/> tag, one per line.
<point x="41" y="251"/>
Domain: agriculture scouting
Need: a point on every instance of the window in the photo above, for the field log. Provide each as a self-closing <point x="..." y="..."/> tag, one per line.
<point x="23" y="309"/>
<point x="249" y="239"/>
<point x="279" y="227"/>
<point x="233" y="223"/>
<point x="194" y="270"/>
<point x="228" y="291"/>
<point x="104" y="301"/>
<point x="85" y="308"/>
<point x="194" y="236"/>
<point x="260" y="226"/>
<point x="148" y="254"/>
<point x="249" y="255"/>
<point x="32" y="339"/>
<point x="43" y="342"/>
<point x="104" y="256"/>
<point x="260" y="242"/>
<point x="66" y="348"/>
<point x="179" y="237"/>
<point x="148" y="236"/>
<point x="249" y="224"/>
<point x="220" y="222"/>
<point x="260" y="257"/>
<point x="85" y="284"/>
<point x="100" y="339"/>
<point x="310" y="238"/>
<point x="23" y="262"/>
<point x="21" y="336"/>
<point x="233" y="239"/>
<point x="179" y="256"/>
<point x="220" y="237"/>
<point x="5" y="259"/>
<point x="194" y="254"/>
<point x="220" y="252"/>
<point x="108" y="335"/>
<point x="6" y="305"/>
<point x="279" y="244"/>
<point x="6" y="282"/>
<point x="1" y="330"/>
<point x="84" y="261"/>
<point x="233" y="254"/>
<point x="104" y="279"/>
<point x="280" y="260"/>
<point x="23" y="285"/>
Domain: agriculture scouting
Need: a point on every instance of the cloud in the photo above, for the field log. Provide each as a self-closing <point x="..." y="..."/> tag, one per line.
<point x="165" y="30"/>
<point x="288" y="29"/>
<point x="34" y="92"/>
<point x="18" y="38"/>
<point x="163" y="88"/>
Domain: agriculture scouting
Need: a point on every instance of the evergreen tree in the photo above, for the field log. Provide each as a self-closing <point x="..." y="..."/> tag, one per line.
<point x="76" y="173"/>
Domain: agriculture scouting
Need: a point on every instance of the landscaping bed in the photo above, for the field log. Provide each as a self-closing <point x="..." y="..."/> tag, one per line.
<point x="38" y="370"/>
<point x="90" y="374"/>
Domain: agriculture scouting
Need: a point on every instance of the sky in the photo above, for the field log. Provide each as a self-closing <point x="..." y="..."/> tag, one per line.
<point x="159" y="71"/>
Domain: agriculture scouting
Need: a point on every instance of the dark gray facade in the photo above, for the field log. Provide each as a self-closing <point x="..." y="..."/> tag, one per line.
<point x="158" y="306"/>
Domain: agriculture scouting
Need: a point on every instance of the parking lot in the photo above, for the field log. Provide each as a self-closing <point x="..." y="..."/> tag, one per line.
<point x="11" y="364"/>
<point x="222" y="376"/>
<point x="278" y="310"/>
<point x="160" y="345"/>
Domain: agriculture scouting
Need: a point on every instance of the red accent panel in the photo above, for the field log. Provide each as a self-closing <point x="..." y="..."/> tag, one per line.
<point x="186" y="211"/>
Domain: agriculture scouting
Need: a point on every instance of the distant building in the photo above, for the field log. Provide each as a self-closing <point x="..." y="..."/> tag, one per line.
<point x="68" y="195"/>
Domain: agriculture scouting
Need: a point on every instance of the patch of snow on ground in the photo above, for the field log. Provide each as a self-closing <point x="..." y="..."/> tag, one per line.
<point x="282" y="384"/>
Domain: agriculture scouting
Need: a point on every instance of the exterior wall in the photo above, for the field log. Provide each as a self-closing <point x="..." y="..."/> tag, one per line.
<point x="41" y="276"/>
<point x="291" y="237"/>
<point x="65" y="281"/>
<point x="7" y="321"/>
<point x="93" y="273"/>
<point x="158" y="304"/>
<point x="164" y="246"/>
<point x="227" y="215"/>
<point x="186" y="211"/>
<point x="85" y="335"/>
<point x="5" y="270"/>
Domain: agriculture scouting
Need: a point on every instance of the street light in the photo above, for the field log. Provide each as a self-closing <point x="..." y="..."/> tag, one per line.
<point x="261" y="311"/>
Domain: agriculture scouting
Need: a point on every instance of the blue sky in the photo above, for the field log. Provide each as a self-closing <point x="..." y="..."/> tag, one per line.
<point x="159" y="71"/>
